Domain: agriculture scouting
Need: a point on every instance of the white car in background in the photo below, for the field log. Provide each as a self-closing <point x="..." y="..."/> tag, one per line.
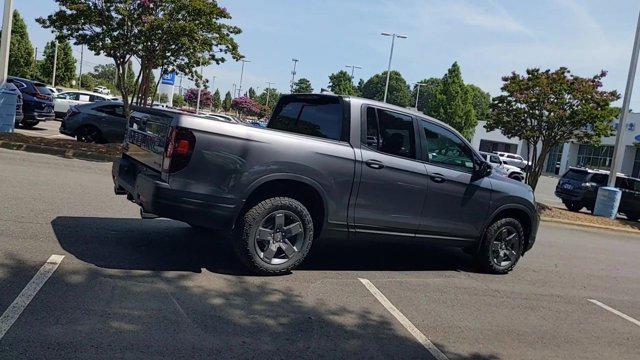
<point x="102" y="90"/>
<point x="514" y="160"/>
<point x="510" y="171"/>
<point x="64" y="100"/>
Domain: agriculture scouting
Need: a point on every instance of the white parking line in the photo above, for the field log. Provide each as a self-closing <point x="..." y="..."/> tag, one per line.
<point x="610" y="309"/>
<point x="403" y="320"/>
<point x="26" y="295"/>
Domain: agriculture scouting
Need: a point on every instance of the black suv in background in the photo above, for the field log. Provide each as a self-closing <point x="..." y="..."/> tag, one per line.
<point x="37" y="101"/>
<point x="578" y="188"/>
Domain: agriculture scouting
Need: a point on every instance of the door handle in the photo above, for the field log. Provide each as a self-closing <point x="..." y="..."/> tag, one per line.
<point x="437" y="178"/>
<point x="374" y="164"/>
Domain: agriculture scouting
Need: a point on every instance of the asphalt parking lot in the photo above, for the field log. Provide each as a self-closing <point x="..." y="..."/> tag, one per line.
<point x="122" y="287"/>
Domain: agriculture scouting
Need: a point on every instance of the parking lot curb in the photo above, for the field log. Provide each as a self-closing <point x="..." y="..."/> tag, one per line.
<point x="585" y="224"/>
<point x="61" y="152"/>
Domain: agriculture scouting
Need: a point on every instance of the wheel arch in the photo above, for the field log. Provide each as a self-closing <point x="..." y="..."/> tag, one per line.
<point x="516" y="211"/>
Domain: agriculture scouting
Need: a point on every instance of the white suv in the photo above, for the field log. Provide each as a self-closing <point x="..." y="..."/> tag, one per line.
<point x="510" y="171"/>
<point x="514" y="160"/>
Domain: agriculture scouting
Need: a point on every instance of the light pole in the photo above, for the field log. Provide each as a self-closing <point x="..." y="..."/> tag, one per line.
<point x="616" y="159"/>
<point x="393" y="41"/>
<point x="269" y="83"/>
<point x="213" y="82"/>
<point x="353" y="67"/>
<point x="7" y="20"/>
<point x="81" y="59"/>
<point x="55" y="65"/>
<point x="234" y="89"/>
<point x="241" y="74"/>
<point x="200" y="88"/>
<point x="293" y="72"/>
<point x="418" y="92"/>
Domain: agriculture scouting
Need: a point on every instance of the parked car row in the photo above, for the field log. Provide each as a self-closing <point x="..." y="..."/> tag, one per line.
<point x="578" y="189"/>
<point x="37" y="101"/>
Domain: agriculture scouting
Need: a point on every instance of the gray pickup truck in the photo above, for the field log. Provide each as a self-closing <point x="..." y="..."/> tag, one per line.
<point x="326" y="166"/>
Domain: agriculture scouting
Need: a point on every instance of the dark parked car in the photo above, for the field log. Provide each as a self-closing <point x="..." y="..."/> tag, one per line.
<point x="37" y="101"/>
<point x="98" y="122"/>
<point x="578" y="188"/>
<point x="326" y="166"/>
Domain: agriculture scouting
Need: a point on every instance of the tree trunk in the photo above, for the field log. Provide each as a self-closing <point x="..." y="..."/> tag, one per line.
<point x="155" y="91"/>
<point x="536" y="170"/>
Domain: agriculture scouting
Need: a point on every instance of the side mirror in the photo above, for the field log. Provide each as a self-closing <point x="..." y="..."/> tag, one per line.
<point x="483" y="169"/>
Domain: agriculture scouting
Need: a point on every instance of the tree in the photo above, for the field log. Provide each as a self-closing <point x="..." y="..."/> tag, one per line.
<point x="173" y="34"/>
<point x="453" y="104"/>
<point x="66" y="63"/>
<point x="547" y="108"/>
<point x="302" y="86"/>
<point x="480" y="100"/>
<point x="430" y="89"/>
<point x="178" y="101"/>
<point x="246" y="106"/>
<point x="252" y="93"/>
<point x="105" y="73"/>
<point x="191" y="97"/>
<point x="217" y="101"/>
<point x="398" y="93"/>
<point x="341" y="83"/>
<point x="21" y="54"/>
<point x="228" y="101"/>
<point x="88" y="82"/>
<point x="269" y="98"/>
<point x="359" y="87"/>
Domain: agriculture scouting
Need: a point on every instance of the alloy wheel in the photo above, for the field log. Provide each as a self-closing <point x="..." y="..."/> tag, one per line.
<point x="279" y="237"/>
<point x="505" y="247"/>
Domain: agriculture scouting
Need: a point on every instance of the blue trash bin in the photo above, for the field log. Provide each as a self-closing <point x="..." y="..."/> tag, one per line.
<point x="8" y="102"/>
<point x="607" y="202"/>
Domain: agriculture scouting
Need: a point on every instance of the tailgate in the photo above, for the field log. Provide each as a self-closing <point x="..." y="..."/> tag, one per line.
<point x="147" y="136"/>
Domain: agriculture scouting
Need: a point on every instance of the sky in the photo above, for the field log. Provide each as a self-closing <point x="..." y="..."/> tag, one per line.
<point x="489" y="39"/>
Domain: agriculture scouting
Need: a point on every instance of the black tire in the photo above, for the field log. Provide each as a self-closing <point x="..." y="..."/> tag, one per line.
<point x="28" y="125"/>
<point x="291" y="236"/>
<point x="633" y="216"/>
<point x="491" y="256"/>
<point x="89" y="134"/>
<point x="573" y="206"/>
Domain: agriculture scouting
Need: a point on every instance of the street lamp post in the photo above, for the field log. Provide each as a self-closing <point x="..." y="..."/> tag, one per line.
<point x="393" y="41"/>
<point x="7" y="21"/>
<point x="418" y="93"/>
<point x="353" y="67"/>
<point x="269" y="83"/>
<point x="293" y="72"/>
<point x="616" y="159"/>
<point x="241" y="74"/>
<point x="55" y="65"/>
<point x="199" y="88"/>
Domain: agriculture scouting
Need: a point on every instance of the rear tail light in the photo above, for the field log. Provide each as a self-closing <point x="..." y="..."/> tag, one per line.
<point x="43" y="97"/>
<point x="179" y="150"/>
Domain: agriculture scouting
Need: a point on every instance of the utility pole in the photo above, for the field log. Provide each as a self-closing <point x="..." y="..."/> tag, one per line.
<point x="180" y="87"/>
<point x="7" y="22"/>
<point x="234" y="89"/>
<point x="418" y="92"/>
<point x="35" y="58"/>
<point x="267" y="90"/>
<point x="200" y="85"/>
<point x="81" y="59"/>
<point x="353" y="67"/>
<point x="293" y="72"/>
<point x="55" y="64"/>
<point x="241" y="74"/>
<point x="393" y="41"/>
<point x="616" y="162"/>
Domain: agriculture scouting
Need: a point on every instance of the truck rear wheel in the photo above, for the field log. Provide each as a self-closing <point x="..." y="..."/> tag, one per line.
<point x="501" y="246"/>
<point x="274" y="236"/>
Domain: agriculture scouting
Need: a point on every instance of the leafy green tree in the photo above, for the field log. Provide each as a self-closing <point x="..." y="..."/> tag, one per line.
<point x="398" y="93"/>
<point x="21" y="53"/>
<point x="217" y="101"/>
<point x="178" y="101"/>
<point x="105" y="73"/>
<point x="430" y="89"/>
<point x="252" y="93"/>
<point x="88" y="82"/>
<point x="341" y="83"/>
<point x="177" y="34"/>
<point x="547" y="108"/>
<point x="228" y="101"/>
<point x="481" y="101"/>
<point x="66" y="63"/>
<point x="302" y="86"/>
<point x="453" y="103"/>
<point x="359" y="87"/>
<point x="271" y="100"/>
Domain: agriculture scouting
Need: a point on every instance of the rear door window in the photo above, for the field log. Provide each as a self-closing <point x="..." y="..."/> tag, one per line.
<point x="42" y="89"/>
<point x="576" y="175"/>
<point x="390" y="132"/>
<point x="320" y="116"/>
<point x="113" y="110"/>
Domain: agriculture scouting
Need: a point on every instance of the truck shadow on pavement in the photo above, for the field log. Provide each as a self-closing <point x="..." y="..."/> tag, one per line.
<point x="166" y="245"/>
<point x="95" y="313"/>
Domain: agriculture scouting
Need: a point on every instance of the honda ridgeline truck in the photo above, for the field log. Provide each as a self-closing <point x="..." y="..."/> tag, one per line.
<point x="326" y="166"/>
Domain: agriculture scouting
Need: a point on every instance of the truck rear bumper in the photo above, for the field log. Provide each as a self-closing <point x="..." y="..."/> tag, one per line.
<point x="146" y="188"/>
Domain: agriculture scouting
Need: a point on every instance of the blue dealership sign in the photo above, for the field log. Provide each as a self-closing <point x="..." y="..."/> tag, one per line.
<point x="169" y="78"/>
<point x="637" y="137"/>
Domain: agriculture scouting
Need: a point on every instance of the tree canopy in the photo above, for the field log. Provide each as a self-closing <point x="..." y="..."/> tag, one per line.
<point x="227" y="102"/>
<point x="546" y="108"/>
<point x="481" y="101"/>
<point x="341" y="83"/>
<point x="271" y="100"/>
<point x="21" y="54"/>
<point x="398" y="94"/>
<point x="191" y="97"/>
<point x="217" y="100"/>
<point x="66" y="63"/>
<point x="302" y="86"/>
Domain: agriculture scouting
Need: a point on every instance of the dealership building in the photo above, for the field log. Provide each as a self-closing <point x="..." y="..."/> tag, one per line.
<point x="563" y="156"/>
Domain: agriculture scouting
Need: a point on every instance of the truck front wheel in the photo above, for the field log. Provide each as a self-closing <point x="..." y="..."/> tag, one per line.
<point x="274" y="236"/>
<point x="501" y="246"/>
